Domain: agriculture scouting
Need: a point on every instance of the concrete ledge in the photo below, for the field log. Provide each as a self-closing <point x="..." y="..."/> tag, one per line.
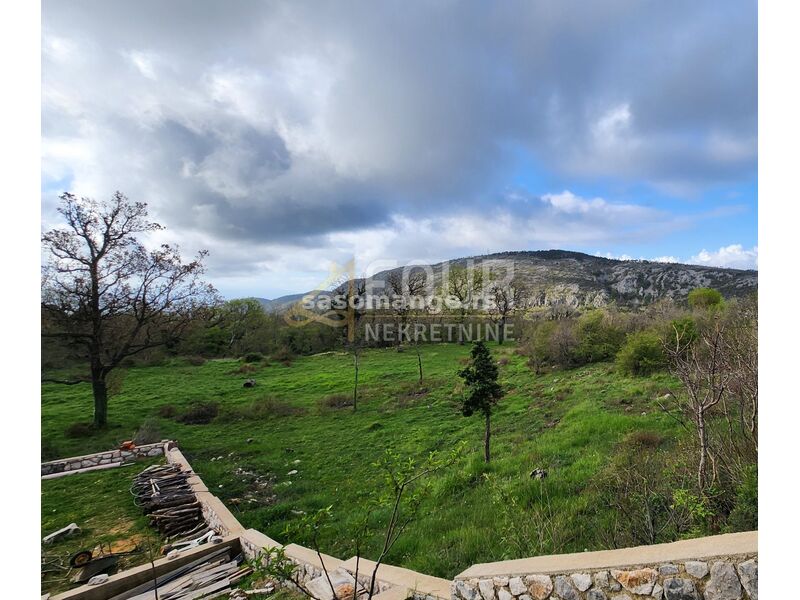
<point x="309" y="556"/>
<point x="130" y="578"/>
<point x="731" y="544"/>
<point x="258" y="539"/>
<point x="407" y="580"/>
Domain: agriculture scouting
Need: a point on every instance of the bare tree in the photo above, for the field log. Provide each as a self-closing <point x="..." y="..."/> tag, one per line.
<point x="407" y="289"/>
<point x="354" y="291"/>
<point x="104" y="291"/>
<point x="506" y="300"/>
<point x="696" y="356"/>
<point x="463" y="284"/>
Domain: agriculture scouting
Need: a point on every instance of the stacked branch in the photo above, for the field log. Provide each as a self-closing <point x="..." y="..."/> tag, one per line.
<point x="164" y="493"/>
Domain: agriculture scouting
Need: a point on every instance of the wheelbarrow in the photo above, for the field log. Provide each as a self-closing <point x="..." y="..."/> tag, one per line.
<point x="91" y="564"/>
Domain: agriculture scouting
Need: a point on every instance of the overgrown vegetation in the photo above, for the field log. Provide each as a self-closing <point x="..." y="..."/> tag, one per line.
<point x="598" y="402"/>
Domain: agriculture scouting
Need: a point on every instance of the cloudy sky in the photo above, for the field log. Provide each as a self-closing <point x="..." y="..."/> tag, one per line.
<point x="283" y="136"/>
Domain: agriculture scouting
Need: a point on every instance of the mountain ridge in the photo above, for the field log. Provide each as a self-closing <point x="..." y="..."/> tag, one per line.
<point x="564" y="277"/>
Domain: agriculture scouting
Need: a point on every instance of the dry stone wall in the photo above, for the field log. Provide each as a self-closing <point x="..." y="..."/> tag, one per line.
<point x="721" y="567"/>
<point x="102" y="458"/>
<point x="692" y="580"/>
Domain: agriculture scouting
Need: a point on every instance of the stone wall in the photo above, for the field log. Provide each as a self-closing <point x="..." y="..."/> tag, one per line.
<point x="102" y="458"/>
<point x="721" y="567"/>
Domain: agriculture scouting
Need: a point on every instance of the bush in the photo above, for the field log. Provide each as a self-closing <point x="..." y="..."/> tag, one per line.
<point x="167" y="411"/>
<point x="336" y="401"/>
<point x="744" y="516"/>
<point x="262" y="408"/>
<point x="704" y="298"/>
<point x="644" y="439"/>
<point x="199" y="413"/>
<point x="598" y="337"/>
<point x="253" y="357"/>
<point x="50" y="450"/>
<point x="283" y="355"/>
<point x="148" y="433"/>
<point x="195" y="360"/>
<point x="245" y="369"/>
<point x="79" y="430"/>
<point x="642" y="354"/>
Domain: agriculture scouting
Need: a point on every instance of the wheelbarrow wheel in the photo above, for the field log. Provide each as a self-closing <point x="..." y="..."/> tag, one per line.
<point x="80" y="559"/>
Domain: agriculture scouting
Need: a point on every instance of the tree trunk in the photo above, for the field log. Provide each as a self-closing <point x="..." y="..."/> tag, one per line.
<point x="486" y="437"/>
<point x="419" y="363"/>
<point x="703" y="438"/>
<point x="355" y="381"/>
<point x="502" y="335"/>
<point x="100" y="393"/>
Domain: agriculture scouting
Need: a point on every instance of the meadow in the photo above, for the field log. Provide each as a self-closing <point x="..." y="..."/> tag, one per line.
<point x="100" y="503"/>
<point x="291" y="444"/>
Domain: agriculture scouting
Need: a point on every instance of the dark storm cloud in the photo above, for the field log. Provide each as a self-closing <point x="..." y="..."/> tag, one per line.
<point x="288" y="121"/>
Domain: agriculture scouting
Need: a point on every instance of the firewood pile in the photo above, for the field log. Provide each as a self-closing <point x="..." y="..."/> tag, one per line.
<point x="213" y="576"/>
<point x="164" y="493"/>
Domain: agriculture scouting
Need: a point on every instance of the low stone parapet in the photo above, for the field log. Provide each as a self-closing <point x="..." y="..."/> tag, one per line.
<point x="722" y="567"/>
<point x="98" y="459"/>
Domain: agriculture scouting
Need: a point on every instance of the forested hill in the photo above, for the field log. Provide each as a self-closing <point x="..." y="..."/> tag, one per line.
<point x="555" y="277"/>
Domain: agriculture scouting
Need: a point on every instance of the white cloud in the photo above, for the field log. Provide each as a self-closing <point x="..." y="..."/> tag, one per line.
<point x="734" y="256"/>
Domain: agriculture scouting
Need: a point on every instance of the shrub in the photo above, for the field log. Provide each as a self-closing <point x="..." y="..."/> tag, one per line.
<point x="199" y="413"/>
<point x="598" y="337"/>
<point x="644" y="439"/>
<point x="283" y="355"/>
<point x="148" y="433"/>
<point x="253" y="357"/>
<point x="704" y="298"/>
<point x="263" y="408"/>
<point x="642" y="354"/>
<point x="502" y="362"/>
<point x="167" y="411"/>
<point x="336" y="401"/>
<point x="195" y="360"/>
<point x="562" y="343"/>
<point x="79" y="430"/>
<point x="50" y="450"/>
<point x="744" y="516"/>
<point x="244" y="369"/>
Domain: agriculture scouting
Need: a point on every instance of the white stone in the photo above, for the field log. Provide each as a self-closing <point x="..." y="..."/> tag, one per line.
<point x="748" y="574"/>
<point x="658" y="592"/>
<point x="601" y="579"/>
<point x="565" y="589"/>
<point x="696" y="568"/>
<point x="668" y="569"/>
<point x="540" y="586"/>
<point x="516" y="586"/>
<point x="724" y="583"/>
<point x="500" y="581"/>
<point x="486" y="588"/>
<point x="582" y="581"/>
<point x="504" y="594"/>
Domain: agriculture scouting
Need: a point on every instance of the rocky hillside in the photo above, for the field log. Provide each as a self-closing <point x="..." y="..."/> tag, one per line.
<point x="560" y="277"/>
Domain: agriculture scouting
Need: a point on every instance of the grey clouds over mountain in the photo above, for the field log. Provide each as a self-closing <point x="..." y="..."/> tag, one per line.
<point x="284" y="135"/>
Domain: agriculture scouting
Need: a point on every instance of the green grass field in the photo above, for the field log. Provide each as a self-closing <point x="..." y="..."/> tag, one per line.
<point x="101" y="505"/>
<point x="568" y="422"/>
